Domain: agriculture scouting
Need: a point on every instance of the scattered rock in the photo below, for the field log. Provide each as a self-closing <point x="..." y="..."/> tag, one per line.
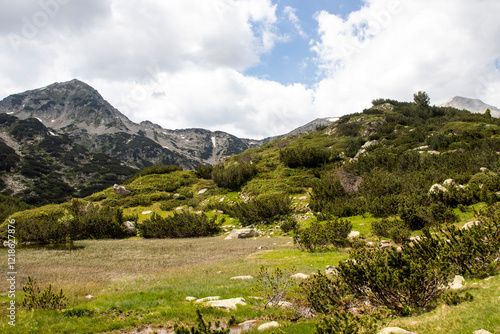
<point x="241" y="277"/>
<point x="226" y="304"/>
<point x="129" y="227"/>
<point x="448" y="182"/>
<point x="354" y="235"/>
<point x="331" y="270"/>
<point x="268" y="325"/>
<point x="242" y="233"/>
<point x="394" y="330"/>
<point x="481" y="331"/>
<point x="120" y="190"/>
<point x="89" y="297"/>
<point x="470" y="224"/>
<point x="207" y="299"/>
<point x="147" y="212"/>
<point x="190" y="299"/>
<point x="436" y="188"/>
<point x="300" y="276"/>
<point x="302" y="198"/>
<point x="484" y="170"/>
<point x="262" y="247"/>
<point x="202" y="191"/>
<point x="457" y="283"/>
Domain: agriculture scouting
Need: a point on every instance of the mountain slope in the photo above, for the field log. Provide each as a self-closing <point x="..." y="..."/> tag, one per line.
<point x="39" y="166"/>
<point x="472" y="105"/>
<point x="76" y="109"/>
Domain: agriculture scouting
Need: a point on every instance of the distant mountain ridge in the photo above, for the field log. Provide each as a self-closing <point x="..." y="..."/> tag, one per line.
<point x="472" y="105"/>
<point x="78" y="110"/>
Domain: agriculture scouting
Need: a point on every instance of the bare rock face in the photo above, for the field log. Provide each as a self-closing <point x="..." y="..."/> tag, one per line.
<point x="121" y="190"/>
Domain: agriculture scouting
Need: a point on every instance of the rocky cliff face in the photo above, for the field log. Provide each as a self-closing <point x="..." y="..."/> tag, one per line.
<point x="77" y="110"/>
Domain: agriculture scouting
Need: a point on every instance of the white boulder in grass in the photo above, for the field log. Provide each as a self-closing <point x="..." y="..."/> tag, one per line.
<point x="226" y="304"/>
<point x="268" y="325"/>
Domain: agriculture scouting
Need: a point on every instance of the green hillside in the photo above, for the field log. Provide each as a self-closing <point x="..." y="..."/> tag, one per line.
<point x="397" y="173"/>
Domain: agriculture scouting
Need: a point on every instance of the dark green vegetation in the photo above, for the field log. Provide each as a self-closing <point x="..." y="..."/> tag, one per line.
<point x="395" y="171"/>
<point x="39" y="167"/>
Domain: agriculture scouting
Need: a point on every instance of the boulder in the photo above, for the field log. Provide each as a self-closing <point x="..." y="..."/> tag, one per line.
<point x="241" y="277"/>
<point x="484" y="170"/>
<point x="331" y="270"/>
<point x="268" y="325"/>
<point x="120" y="190"/>
<point x="147" y="212"/>
<point x="226" y="304"/>
<point x="242" y="233"/>
<point x="129" y="227"/>
<point x="394" y="330"/>
<point x="448" y="182"/>
<point x="470" y="224"/>
<point x="300" y="276"/>
<point x="436" y="188"/>
<point x="206" y="299"/>
<point x="481" y="331"/>
<point x="354" y="235"/>
<point x="190" y="299"/>
<point x="458" y="283"/>
<point x="202" y="191"/>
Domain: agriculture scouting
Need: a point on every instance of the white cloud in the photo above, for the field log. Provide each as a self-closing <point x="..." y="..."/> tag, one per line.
<point x="394" y="48"/>
<point x="222" y="99"/>
<point x="180" y="63"/>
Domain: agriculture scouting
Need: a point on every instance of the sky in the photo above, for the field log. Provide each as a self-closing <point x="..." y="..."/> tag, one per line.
<point x="253" y="68"/>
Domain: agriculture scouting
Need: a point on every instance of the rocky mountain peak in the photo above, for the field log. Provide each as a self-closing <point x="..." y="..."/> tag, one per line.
<point x="472" y="105"/>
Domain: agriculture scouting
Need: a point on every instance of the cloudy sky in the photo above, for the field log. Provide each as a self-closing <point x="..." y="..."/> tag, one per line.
<point x="253" y="68"/>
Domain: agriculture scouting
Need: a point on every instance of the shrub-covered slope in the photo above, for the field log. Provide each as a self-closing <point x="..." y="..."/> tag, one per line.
<point x="39" y="166"/>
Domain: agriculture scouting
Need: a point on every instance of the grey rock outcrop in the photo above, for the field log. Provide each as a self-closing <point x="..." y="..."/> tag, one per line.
<point x="121" y="190"/>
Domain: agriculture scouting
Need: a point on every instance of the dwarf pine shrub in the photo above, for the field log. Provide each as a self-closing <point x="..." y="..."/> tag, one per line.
<point x="34" y="299"/>
<point x="181" y="225"/>
<point x="323" y="235"/>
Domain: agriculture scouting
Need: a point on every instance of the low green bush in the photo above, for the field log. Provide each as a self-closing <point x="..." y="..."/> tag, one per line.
<point x="393" y="228"/>
<point x="264" y="208"/>
<point x="181" y="225"/>
<point x="320" y="236"/>
<point x="48" y="300"/>
<point x="233" y="176"/>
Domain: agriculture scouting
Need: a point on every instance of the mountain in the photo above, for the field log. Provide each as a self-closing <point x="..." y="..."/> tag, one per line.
<point x="75" y="109"/>
<point x="39" y="166"/>
<point x="472" y="105"/>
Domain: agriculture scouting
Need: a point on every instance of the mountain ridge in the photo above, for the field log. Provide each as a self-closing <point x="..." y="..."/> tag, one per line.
<point x="77" y="109"/>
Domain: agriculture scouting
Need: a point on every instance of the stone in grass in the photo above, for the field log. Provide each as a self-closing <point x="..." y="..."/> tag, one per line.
<point x="394" y="330"/>
<point x="354" y="235"/>
<point x="241" y="277"/>
<point x="300" y="276"/>
<point x="206" y="299"/>
<point x="226" y="304"/>
<point x="147" y="212"/>
<point x="481" y="331"/>
<point x="190" y="298"/>
<point x="457" y="283"/>
<point x="268" y="325"/>
<point x="242" y="233"/>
